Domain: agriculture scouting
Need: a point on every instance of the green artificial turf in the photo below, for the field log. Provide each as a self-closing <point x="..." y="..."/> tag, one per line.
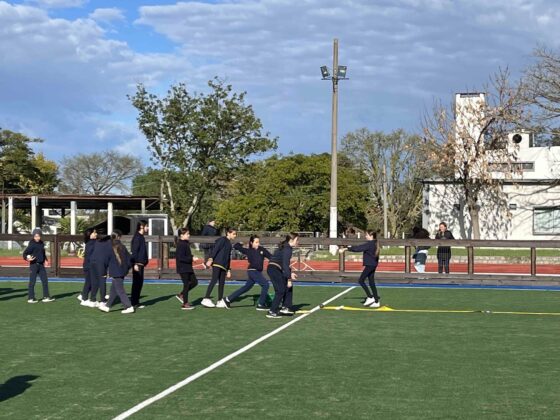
<point x="334" y="364"/>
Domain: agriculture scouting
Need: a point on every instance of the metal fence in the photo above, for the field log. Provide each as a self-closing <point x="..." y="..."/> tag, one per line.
<point x="470" y="261"/>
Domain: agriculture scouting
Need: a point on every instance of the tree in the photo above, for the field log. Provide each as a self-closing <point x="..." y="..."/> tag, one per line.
<point x="292" y="193"/>
<point x="198" y="141"/>
<point x="470" y="139"/>
<point x="99" y="173"/>
<point x="542" y="90"/>
<point x="21" y="170"/>
<point x="403" y="158"/>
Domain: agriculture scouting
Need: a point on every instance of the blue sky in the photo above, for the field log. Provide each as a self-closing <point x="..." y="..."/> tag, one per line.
<point x="66" y="66"/>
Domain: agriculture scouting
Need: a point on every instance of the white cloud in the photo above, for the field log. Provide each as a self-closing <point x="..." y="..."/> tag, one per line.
<point x="107" y="14"/>
<point x="58" y="4"/>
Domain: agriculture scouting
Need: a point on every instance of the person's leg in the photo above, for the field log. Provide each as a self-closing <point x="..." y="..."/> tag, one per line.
<point x="44" y="281"/>
<point x="87" y="285"/>
<point x="137" y="283"/>
<point x="118" y="284"/>
<point x="185" y="278"/>
<point x="213" y="281"/>
<point x="33" y="268"/>
<point x="439" y="263"/>
<point x="95" y="277"/>
<point x="112" y="294"/>
<point x="371" y="278"/>
<point x="258" y="278"/>
<point x="221" y="284"/>
<point x="194" y="282"/>
<point x="362" y="280"/>
<point x="288" y="296"/>
<point x="243" y="289"/>
<point x="279" y="285"/>
<point x="446" y="263"/>
<point x="102" y="288"/>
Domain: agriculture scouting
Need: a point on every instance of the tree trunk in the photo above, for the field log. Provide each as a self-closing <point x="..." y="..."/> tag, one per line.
<point x="475" y="221"/>
<point x="192" y="209"/>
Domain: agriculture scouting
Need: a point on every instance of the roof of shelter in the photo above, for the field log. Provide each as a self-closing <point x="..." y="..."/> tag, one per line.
<point x="84" y="201"/>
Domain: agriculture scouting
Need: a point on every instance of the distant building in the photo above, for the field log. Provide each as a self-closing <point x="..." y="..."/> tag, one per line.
<point x="532" y="195"/>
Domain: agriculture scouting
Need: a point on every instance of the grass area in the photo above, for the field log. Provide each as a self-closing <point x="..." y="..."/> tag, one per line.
<point x="332" y="364"/>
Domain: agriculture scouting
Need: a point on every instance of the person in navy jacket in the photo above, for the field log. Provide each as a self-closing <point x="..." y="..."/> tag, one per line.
<point x="98" y="264"/>
<point x="90" y="236"/>
<point x="139" y="260"/>
<point x="370" y="262"/>
<point x="120" y="263"/>
<point x="35" y="255"/>
<point x="219" y="260"/>
<point x="281" y="276"/>
<point x="256" y="255"/>
<point x="184" y="260"/>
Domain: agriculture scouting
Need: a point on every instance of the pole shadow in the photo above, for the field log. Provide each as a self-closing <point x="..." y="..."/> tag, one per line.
<point x="16" y="386"/>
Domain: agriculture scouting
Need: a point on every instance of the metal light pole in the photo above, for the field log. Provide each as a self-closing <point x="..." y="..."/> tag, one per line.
<point x="339" y="73"/>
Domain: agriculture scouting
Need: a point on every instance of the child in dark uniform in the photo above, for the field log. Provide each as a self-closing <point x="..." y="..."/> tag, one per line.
<point x="219" y="260"/>
<point x="35" y="255"/>
<point x="184" y="259"/>
<point x="90" y="236"/>
<point x="370" y="262"/>
<point x="281" y="276"/>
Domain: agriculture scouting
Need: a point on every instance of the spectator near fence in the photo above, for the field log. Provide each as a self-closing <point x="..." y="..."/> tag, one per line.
<point x="421" y="252"/>
<point x="443" y="252"/>
<point x="208" y="230"/>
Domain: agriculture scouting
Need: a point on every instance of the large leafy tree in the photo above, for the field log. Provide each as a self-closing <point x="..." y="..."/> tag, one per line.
<point x="199" y="141"/>
<point x="292" y="193"/>
<point x="99" y="173"/>
<point x="21" y="170"/>
<point x="397" y="158"/>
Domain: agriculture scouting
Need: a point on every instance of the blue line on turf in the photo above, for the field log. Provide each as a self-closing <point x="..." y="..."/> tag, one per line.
<point x="327" y="284"/>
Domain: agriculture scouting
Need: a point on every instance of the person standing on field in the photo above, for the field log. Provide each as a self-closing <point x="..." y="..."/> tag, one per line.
<point x="35" y="255"/>
<point x="139" y="253"/>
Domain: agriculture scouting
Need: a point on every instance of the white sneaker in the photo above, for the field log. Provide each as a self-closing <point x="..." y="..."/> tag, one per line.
<point x="32" y="301"/>
<point x="369" y="301"/>
<point x="222" y="304"/>
<point x="129" y="310"/>
<point x="375" y="304"/>
<point x="103" y="307"/>
<point x="47" y="299"/>
<point x="207" y="303"/>
<point x="88" y="303"/>
<point x="80" y="298"/>
<point x="95" y="304"/>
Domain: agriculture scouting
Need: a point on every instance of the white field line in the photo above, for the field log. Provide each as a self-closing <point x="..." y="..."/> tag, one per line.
<point x="220" y="362"/>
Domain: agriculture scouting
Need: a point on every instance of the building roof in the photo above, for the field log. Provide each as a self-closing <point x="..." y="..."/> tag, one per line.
<point x="84" y="201"/>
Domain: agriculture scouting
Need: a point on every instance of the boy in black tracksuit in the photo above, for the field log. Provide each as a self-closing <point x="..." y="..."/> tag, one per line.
<point x="139" y="260"/>
<point x="99" y="262"/>
<point x="120" y="263"/>
<point x="370" y="262"/>
<point x="281" y="276"/>
<point x="256" y="255"/>
<point x="36" y="256"/>
<point x="184" y="260"/>
<point x="220" y="260"/>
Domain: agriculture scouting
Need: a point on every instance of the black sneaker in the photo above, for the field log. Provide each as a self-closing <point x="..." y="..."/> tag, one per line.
<point x="272" y="315"/>
<point x="262" y="308"/>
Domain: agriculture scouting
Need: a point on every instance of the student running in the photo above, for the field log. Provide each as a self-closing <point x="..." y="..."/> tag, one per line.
<point x="35" y="255"/>
<point x="184" y="260"/>
<point x="370" y="262"/>
<point x="219" y="260"/>
<point x="90" y="236"/>
<point x="256" y="255"/>
<point x="120" y="263"/>
<point x="281" y="276"/>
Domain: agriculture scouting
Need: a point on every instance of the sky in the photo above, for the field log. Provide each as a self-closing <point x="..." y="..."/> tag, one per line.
<point x="67" y="66"/>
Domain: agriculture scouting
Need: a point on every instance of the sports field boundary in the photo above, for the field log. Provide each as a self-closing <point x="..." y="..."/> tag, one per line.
<point x="225" y="359"/>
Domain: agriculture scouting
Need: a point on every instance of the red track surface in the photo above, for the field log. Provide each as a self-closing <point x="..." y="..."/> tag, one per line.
<point x="68" y="262"/>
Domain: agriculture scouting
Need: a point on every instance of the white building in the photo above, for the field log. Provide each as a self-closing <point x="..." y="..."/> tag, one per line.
<point x="532" y="197"/>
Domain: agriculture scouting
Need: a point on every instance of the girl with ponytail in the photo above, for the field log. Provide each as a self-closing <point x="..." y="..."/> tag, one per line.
<point x="281" y="276"/>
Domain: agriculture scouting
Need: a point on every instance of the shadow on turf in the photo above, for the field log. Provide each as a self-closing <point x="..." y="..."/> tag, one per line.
<point x="16" y="386"/>
<point x="157" y="300"/>
<point x="6" y="290"/>
<point x="63" y="295"/>
<point x="18" y="296"/>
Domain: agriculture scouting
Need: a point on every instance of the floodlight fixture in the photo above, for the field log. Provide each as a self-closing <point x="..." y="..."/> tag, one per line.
<point x="325" y="72"/>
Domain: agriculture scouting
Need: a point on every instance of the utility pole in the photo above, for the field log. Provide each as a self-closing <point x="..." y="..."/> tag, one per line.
<point x="385" y="204"/>
<point x="334" y="136"/>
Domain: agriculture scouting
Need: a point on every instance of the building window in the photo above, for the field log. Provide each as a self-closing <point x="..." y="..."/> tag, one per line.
<point x="546" y="220"/>
<point x="516" y="166"/>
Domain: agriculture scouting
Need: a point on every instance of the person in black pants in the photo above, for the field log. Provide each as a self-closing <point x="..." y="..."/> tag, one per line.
<point x="139" y="261"/>
<point x="184" y="260"/>
<point x="219" y="260"/>
<point x="35" y="255"/>
<point x="120" y="263"/>
<point x="90" y="236"/>
<point x="208" y="230"/>
<point x="370" y="262"/>
<point x="281" y="277"/>
<point x="256" y="255"/>
<point x="443" y="252"/>
<point x="98" y="265"/>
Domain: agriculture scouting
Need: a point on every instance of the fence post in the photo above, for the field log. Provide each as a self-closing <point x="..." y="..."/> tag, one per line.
<point x="160" y="256"/>
<point x="533" y="261"/>
<point x="470" y="260"/>
<point x="342" y="261"/>
<point x="407" y="257"/>
<point x="56" y="256"/>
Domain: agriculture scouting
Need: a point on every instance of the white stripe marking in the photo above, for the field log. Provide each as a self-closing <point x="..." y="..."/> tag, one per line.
<point x="220" y="362"/>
